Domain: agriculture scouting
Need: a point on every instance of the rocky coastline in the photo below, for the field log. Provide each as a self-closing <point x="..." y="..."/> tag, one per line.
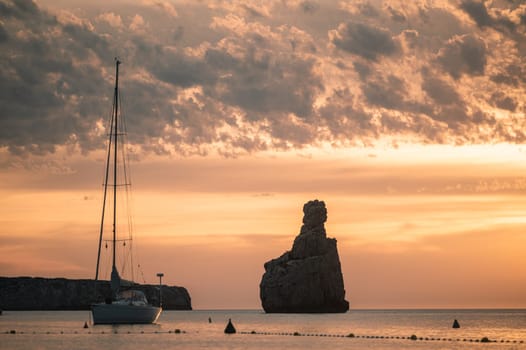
<point x="36" y="293"/>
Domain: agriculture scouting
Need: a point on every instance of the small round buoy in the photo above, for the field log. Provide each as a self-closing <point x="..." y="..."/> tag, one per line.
<point x="230" y="327"/>
<point x="86" y="325"/>
<point x="456" y="324"/>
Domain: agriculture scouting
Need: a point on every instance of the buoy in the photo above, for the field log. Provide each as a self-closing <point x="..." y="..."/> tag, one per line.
<point x="86" y="325"/>
<point x="456" y="324"/>
<point x="230" y="327"/>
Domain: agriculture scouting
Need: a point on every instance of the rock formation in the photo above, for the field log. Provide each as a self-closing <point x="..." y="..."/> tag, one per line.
<point x="308" y="278"/>
<point x="27" y="293"/>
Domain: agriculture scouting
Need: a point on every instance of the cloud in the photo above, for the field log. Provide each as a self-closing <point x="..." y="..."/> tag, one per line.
<point x="229" y="78"/>
<point x="138" y="24"/>
<point x="464" y="54"/>
<point x="511" y="74"/>
<point x="20" y="9"/>
<point x="440" y="91"/>
<point x="3" y="33"/>
<point x="163" y="6"/>
<point x="40" y="95"/>
<point x="388" y="93"/>
<point x="396" y="15"/>
<point x="477" y="11"/>
<point x="177" y="68"/>
<point x="309" y="6"/>
<point x="499" y="20"/>
<point x="360" y="8"/>
<point x="111" y="18"/>
<point x="500" y="100"/>
<point x="363" y="40"/>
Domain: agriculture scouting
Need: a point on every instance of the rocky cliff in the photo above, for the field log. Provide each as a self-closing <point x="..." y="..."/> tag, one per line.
<point x="308" y="278"/>
<point x="27" y="293"/>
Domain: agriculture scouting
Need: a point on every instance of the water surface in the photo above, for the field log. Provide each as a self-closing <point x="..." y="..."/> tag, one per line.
<point x="373" y="329"/>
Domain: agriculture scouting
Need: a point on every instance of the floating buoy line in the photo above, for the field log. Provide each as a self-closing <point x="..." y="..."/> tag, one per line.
<point x="412" y="337"/>
<point x="294" y="334"/>
<point x="230" y="329"/>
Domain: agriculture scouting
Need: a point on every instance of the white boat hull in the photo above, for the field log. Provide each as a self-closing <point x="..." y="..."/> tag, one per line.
<point x="124" y="313"/>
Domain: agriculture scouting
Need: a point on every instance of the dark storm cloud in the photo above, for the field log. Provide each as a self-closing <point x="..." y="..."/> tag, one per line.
<point x="463" y="55"/>
<point x="364" y="40"/>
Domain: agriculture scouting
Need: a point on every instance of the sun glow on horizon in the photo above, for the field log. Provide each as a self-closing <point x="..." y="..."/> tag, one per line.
<point x="203" y="215"/>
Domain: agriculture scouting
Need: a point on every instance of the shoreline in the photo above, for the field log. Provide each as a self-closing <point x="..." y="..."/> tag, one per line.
<point x="63" y="294"/>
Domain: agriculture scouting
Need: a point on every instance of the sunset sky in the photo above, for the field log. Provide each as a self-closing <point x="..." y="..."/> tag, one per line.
<point x="406" y="117"/>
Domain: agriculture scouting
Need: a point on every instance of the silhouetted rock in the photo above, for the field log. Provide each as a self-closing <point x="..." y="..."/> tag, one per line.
<point x="308" y="278"/>
<point x="27" y="293"/>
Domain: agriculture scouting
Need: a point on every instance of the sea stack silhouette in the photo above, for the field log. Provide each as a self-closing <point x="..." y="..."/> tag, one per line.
<point x="308" y="278"/>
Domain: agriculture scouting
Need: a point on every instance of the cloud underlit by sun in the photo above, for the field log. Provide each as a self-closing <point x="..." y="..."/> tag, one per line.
<point x="243" y="77"/>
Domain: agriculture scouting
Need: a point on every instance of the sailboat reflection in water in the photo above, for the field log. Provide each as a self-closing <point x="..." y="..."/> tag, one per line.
<point x="125" y="305"/>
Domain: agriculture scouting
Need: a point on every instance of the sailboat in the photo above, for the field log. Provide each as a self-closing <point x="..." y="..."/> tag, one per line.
<point x="125" y="305"/>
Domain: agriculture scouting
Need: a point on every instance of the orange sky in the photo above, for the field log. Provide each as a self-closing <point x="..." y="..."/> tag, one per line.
<point x="426" y="231"/>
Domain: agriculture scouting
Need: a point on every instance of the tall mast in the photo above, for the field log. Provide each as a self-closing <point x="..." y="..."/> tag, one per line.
<point x="115" y="133"/>
<point x="106" y="177"/>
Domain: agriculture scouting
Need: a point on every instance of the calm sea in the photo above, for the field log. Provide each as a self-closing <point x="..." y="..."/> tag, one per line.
<point x="378" y="329"/>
